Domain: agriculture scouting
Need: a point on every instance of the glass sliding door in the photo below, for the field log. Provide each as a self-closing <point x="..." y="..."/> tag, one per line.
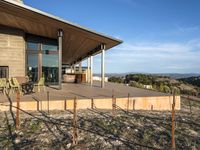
<point x="42" y="59"/>
<point x="32" y="67"/>
<point x="32" y="61"/>
<point x="50" y="63"/>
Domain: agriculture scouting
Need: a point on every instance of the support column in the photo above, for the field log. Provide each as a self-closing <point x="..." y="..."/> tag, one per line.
<point x="102" y="65"/>
<point x="88" y="70"/>
<point x="71" y="69"/>
<point x="60" y="37"/>
<point x="74" y="68"/>
<point x="40" y="62"/>
<point x="91" y="70"/>
<point x="80" y="67"/>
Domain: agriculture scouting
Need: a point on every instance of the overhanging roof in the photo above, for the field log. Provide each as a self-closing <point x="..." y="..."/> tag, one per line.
<point x="78" y="42"/>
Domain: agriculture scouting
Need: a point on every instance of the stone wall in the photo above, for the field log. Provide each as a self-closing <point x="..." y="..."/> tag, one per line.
<point x="12" y="50"/>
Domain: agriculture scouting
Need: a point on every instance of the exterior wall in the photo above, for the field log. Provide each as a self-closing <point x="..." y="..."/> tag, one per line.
<point x="12" y="50"/>
<point x="163" y="103"/>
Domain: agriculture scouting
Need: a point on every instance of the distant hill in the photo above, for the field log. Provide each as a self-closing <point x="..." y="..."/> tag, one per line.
<point x="171" y="75"/>
<point x="179" y="75"/>
<point x="115" y="74"/>
<point x="161" y="82"/>
<point x="191" y="80"/>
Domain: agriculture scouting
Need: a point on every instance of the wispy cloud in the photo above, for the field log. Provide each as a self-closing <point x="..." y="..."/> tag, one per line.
<point x="187" y="29"/>
<point x="156" y="57"/>
<point x="183" y="30"/>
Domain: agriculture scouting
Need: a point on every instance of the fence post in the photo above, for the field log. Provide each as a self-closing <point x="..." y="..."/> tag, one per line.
<point x="190" y="105"/>
<point x="151" y="107"/>
<point x="75" y="133"/>
<point x="38" y="105"/>
<point x="65" y="104"/>
<point x="48" y="102"/>
<point x="113" y="103"/>
<point x="128" y="101"/>
<point x="134" y="104"/>
<point x="17" y="111"/>
<point x="41" y="104"/>
<point x="92" y="103"/>
<point x="173" y="120"/>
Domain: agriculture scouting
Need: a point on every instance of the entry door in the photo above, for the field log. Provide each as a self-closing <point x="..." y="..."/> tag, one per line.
<point x="33" y="61"/>
<point x="50" y="63"/>
<point x="42" y="61"/>
<point x="32" y="70"/>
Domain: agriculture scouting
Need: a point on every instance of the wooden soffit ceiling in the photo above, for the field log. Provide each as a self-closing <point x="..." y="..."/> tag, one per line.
<point x="78" y="42"/>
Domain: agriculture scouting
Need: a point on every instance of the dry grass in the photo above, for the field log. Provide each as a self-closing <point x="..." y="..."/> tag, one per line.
<point x="98" y="129"/>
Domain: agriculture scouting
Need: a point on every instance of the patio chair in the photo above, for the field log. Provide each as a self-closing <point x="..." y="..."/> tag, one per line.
<point x="3" y="85"/>
<point x="14" y="85"/>
<point x="41" y="84"/>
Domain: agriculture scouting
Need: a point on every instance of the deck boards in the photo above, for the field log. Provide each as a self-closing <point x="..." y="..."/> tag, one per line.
<point x="85" y="91"/>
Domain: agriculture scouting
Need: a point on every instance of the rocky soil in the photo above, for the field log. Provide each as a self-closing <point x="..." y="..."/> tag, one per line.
<point x="98" y="129"/>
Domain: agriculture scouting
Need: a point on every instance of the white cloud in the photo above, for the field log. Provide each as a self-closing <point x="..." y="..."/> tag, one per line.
<point x="155" y="57"/>
<point x="187" y="29"/>
<point x="183" y="30"/>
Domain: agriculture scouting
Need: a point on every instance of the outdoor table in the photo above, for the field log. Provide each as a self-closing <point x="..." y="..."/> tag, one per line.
<point x="27" y="87"/>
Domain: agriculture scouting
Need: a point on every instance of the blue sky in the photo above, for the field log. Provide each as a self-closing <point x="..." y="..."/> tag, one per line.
<point x="160" y="36"/>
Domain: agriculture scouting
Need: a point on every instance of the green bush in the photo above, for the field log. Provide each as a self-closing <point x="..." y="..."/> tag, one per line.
<point x="116" y="79"/>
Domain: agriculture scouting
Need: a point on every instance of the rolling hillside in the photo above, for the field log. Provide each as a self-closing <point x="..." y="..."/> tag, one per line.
<point x="191" y="80"/>
<point x="166" y="84"/>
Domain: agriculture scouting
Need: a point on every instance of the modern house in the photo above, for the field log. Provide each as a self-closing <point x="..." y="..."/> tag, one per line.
<point x="35" y="44"/>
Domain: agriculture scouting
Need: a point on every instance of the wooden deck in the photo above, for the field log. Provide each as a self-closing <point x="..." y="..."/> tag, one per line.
<point x="85" y="91"/>
<point x="142" y="99"/>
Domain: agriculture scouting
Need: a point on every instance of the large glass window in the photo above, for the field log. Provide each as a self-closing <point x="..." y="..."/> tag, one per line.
<point x="32" y="70"/>
<point x="44" y="61"/>
<point x="46" y="47"/>
<point x="4" y="72"/>
<point x="32" y="46"/>
<point x="50" y="68"/>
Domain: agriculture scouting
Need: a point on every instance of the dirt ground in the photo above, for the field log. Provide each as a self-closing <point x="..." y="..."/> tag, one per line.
<point x="99" y="129"/>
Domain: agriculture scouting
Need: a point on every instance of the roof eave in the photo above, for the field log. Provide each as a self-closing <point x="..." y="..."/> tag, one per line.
<point x="23" y="6"/>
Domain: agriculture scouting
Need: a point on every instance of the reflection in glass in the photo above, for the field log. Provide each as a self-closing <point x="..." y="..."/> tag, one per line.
<point x="50" y="68"/>
<point x="32" y="67"/>
<point x="49" y="47"/>
<point x="32" y="46"/>
<point x="46" y="55"/>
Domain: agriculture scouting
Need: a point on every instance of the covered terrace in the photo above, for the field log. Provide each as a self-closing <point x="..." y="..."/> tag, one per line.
<point x="75" y="43"/>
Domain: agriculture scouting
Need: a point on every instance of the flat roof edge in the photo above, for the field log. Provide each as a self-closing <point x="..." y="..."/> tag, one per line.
<point x="60" y="19"/>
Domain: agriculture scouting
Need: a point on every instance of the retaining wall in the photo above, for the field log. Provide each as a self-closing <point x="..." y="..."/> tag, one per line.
<point x="134" y="103"/>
